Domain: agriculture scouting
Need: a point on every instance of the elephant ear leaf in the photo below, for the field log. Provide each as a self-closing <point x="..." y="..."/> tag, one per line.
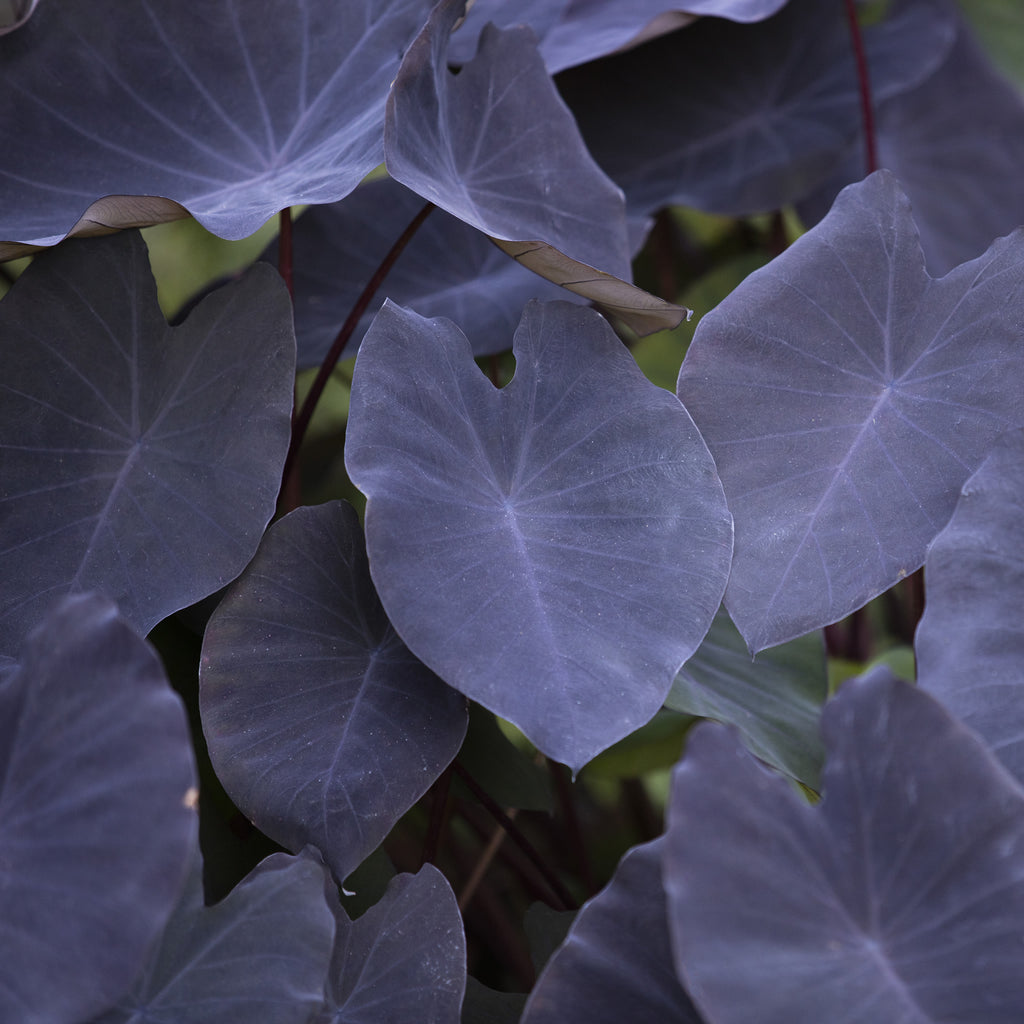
<point x="119" y="435"/>
<point x="97" y="818"/>
<point x="226" y="111"/>
<point x="846" y="396"/>
<point x="898" y="898"/>
<point x="511" y="162"/>
<point x="336" y="736"/>
<point x="970" y="641"/>
<point x="556" y="549"/>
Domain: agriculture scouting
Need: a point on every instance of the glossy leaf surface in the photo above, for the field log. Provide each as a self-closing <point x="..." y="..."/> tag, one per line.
<point x="553" y="550"/>
<point x="448" y="269"/>
<point x="616" y="963"/>
<point x="846" y="396"/>
<point x="496" y="147"/>
<point x="403" y="960"/>
<point x="970" y="642"/>
<point x="137" y="459"/>
<point x="899" y="898"/>
<point x="774" y="699"/>
<point x="261" y="954"/>
<point x="321" y="725"/>
<point x="231" y="110"/>
<point x="96" y="821"/>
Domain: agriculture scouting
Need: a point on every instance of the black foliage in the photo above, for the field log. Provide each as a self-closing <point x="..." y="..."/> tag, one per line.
<point x="570" y="558"/>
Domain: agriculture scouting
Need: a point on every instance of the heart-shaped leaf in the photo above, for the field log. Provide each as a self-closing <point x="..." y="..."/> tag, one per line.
<point x="774" y="700"/>
<point x="404" y="960"/>
<point x="496" y="147"/>
<point x="900" y="898"/>
<point x="97" y="789"/>
<point x="233" y="111"/>
<point x="970" y="642"/>
<point x="782" y="111"/>
<point x="261" y="954"/>
<point x="616" y="963"/>
<point x="846" y="396"/>
<point x="448" y="269"/>
<point x="321" y="725"/>
<point x="553" y="550"/>
<point x="136" y="459"/>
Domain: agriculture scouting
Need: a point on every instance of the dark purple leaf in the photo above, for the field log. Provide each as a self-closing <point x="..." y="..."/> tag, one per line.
<point x="261" y="954"/>
<point x="956" y="142"/>
<point x="96" y="814"/>
<point x="404" y="960"/>
<point x="774" y="699"/>
<point x="846" y="396"/>
<point x="553" y="550"/>
<point x="448" y="269"/>
<point x="970" y="642"/>
<point x="616" y="964"/>
<point x="739" y="118"/>
<point x="136" y="459"/>
<point x="571" y="32"/>
<point x="496" y="147"/>
<point x="900" y="898"/>
<point x="233" y="110"/>
<point x="322" y="727"/>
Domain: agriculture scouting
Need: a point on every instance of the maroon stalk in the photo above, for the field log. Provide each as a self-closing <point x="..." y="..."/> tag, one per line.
<point x="300" y="423"/>
<point x="516" y="835"/>
<point x="284" y="248"/>
<point x="866" y="106"/>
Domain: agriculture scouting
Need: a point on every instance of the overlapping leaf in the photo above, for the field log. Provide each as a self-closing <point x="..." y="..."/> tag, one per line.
<point x="846" y="396"/>
<point x="448" y="269"/>
<point x="135" y="459"/>
<point x="616" y="964"/>
<point x="322" y="727"/>
<point x="496" y="147"/>
<point x="784" y="108"/>
<point x="403" y="960"/>
<point x="900" y="898"/>
<point x="570" y="33"/>
<point x="232" y="110"/>
<point x="956" y="142"/>
<point x="96" y="822"/>
<point x="261" y="954"/>
<point x="774" y="700"/>
<point x="970" y="643"/>
<point x="553" y="550"/>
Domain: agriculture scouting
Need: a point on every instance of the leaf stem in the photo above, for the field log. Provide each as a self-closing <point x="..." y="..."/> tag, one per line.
<point x="493" y="808"/>
<point x="300" y="422"/>
<point x="573" y="832"/>
<point x="866" y="106"/>
<point x="284" y="249"/>
<point x="438" y="816"/>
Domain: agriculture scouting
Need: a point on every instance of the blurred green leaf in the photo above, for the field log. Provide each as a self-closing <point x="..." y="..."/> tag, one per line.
<point x="774" y="700"/>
